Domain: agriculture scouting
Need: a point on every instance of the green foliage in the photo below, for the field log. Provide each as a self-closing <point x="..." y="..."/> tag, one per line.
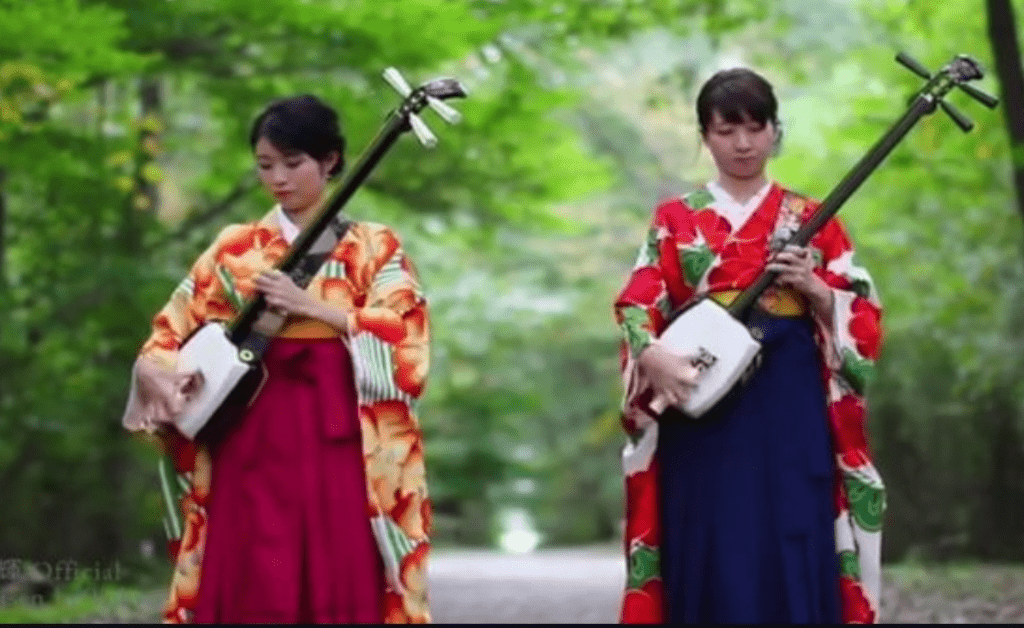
<point x="938" y="228"/>
<point x="124" y="126"/>
<point x="104" y="605"/>
<point x="945" y="254"/>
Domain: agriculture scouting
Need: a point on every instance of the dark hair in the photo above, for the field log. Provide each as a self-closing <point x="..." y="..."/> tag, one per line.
<point x="301" y="123"/>
<point x="734" y="94"/>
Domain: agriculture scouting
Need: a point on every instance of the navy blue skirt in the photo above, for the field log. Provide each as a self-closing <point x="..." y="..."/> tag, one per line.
<point x="747" y="513"/>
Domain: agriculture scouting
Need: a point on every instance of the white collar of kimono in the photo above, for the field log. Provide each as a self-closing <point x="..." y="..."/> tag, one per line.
<point x="288" y="228"/>
<point x="737" y="214"/>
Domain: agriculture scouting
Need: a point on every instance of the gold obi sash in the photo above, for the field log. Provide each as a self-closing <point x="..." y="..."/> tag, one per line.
<point x="776" y="301"/>
<point x="300" y="327"/>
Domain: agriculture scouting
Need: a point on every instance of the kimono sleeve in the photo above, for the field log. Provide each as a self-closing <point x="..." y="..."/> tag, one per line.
<point x="393" y="320"/>
<point x="644" y="304"/>
<point x="183" y="313"/>
<point x="854" y="335"/>
<point x="642" y="309"/>
<point x="850" y="343"/>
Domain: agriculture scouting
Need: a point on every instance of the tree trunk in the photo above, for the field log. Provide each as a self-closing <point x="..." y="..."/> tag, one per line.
<point x="998" y="519"/>
<point x="139" y="208"/>
<point x="143" y="201"/>
<point x="4" y="292"/>
<point x="1002" y="33"/>
<point x="152" y="109"/>
<point x="3" y="224"/>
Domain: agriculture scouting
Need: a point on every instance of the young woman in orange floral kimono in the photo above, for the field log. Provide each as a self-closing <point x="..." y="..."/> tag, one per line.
<point x="768" y="509"/>
<point x="314" y="507"/>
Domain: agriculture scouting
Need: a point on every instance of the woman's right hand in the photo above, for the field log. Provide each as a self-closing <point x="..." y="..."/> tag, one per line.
<point x="671" y="375"/>
<point x="164" y="393"/>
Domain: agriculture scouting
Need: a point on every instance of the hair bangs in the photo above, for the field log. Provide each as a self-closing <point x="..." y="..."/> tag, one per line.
<point x="302" y="124"/>
<point x="738" y="106"/>
<point x="738" y="95"/>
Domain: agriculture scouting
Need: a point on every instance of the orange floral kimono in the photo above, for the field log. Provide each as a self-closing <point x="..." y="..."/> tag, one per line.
<point x="369" y="276"/>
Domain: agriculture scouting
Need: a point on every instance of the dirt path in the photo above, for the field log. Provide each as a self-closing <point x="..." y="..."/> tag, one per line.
<point x="584" y="585"/>
<point x="550" y="586"/>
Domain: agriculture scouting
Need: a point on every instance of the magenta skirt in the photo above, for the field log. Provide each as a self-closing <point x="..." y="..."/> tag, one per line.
<point x="288" y="536"/>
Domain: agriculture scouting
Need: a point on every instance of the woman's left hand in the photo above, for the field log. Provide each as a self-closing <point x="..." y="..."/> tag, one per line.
<point x="283" y="295"/>
<point x="795" y="265"/>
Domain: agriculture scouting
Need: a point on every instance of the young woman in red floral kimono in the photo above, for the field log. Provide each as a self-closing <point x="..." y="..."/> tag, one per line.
<point x="769" y="508"/>
<point x="314" y="508"/>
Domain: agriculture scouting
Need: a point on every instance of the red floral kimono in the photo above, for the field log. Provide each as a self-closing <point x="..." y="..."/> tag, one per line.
<point x="692" y="249"/>
<point x="368" y="275"/>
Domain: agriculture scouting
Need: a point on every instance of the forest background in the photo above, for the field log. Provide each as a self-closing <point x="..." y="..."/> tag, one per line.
<point x="123" y="152"/>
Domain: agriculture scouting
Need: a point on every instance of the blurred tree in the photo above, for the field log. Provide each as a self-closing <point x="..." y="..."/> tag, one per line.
<point x="124" y="130"/>
<point x="944" y="249"/>
<point x="1002" y="33"/>
<point x="945" y="252"/>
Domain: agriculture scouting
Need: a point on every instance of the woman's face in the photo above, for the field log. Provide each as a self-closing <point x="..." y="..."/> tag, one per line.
<point x="295" y="179"/>
<point x="740" y="150"/>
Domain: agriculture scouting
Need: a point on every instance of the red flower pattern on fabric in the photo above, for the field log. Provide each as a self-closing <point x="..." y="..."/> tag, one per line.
<point x="646" y="605"/>
<point x="392" y="441"/>
<point x="645" y="286"/>
<point x="856" y="608"/>
<point x="642" y="506"/>
<point x="848" y="430"/>
<point x="713" y="227"/>
<point x="740" y="258"/>
<point x="865" y="329"/>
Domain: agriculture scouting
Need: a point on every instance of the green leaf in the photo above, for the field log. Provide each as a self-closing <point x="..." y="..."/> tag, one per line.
<point x="644" y="566"/>
<point x="696" y="261"/>
<point x="634" y="323"/>
<point x="867" y="502"/>
<point x="849" y="566"/>
<point x="857" y="371"/>
<point x="699" y="199"/>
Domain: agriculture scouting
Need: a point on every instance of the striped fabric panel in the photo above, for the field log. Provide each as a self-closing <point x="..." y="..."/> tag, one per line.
<point x="172" y="486"/>
<point x="229" y="287"/>
<point x="390" y="273"/>
<point x="186" y="287"/>
<point x="400" y="544"/>
<point x="334" y="270"/>
<point x="394" y="545"/>
<point x="375" y="380"/>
